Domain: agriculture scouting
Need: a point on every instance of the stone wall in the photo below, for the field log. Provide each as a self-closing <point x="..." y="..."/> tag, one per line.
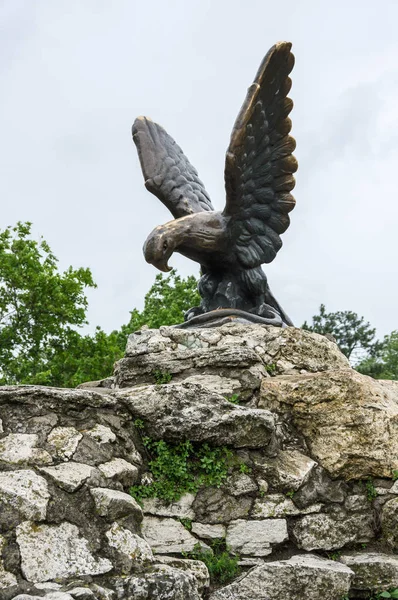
<point x="309" y="504"/>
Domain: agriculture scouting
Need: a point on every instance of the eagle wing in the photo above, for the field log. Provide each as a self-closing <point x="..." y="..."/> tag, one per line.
<point x="259" y="163"/>
<point x="167" y="172"/>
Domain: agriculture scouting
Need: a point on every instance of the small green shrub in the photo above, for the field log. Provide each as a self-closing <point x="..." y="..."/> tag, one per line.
<point x="371" y="493"/>
<point x="162" y="377"/>
<point x="290" y="494"/>
<point x="390" y="594"/>
<point x="395" y="475"/>
<point x="181" y="468"/>
<point x="139" y="424"/>
<point x="186" y="522"/>
<point x="244" y="468"/>
<point x="234" y="399"/>
<point x="334" y="555"/>
<point x="222" y="566"/>
<point x="271" y="368"/>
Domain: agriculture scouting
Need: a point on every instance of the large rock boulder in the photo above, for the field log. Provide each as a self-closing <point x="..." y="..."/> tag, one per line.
<point x="300" y="578"/>
<point x="349" y="421"/>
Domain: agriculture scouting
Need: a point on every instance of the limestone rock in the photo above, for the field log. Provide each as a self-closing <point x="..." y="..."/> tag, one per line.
<point x="319" y="487"/>
<point x="20" y="448"/>
<point x="64" y="440"/>
<point x="101" y="434"/>
<point x="56" y="551"/>
<point x="389" y="522"/>
<point x="255" y="537"/>
<point x="25" y="492"/>
<point x="114" y="504"/>
<point x="7" y="579"/>
<point x="163" y="583"/>
<point x="238" y="484"/>
<point x="335" y="411"/>
<point x="187" y="411"/>
<point x="132" y="549"/>
<point x="373" y="571"/>
<point x="209" y="532"/>
<point x="119" y="469"/>
<point x="167" y="536"/>
<point x="288" y="471"/>
<point x="300" y="578"/>
<point x="196" y="567"/>
<point x="69" y="476"/>
<point x="233" y="346"/>
<point x="213" y="505"/>
<point x="180" y="509"/>
<point x="274" y="505"/>
<point x="330" y="532"/>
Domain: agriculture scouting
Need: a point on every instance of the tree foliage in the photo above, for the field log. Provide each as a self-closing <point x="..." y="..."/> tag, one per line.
<point x="42" y="309"/>
<point x="384" y="363"/>
<point x="39" y="306"/>
<point x="351" y="332"/>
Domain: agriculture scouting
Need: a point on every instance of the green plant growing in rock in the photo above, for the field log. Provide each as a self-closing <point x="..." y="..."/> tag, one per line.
<point x="395" y="475"/>
<point x="371" y="492"/>
<point x="334" y="555"/>
<point x="162" y="377"/>
<point x="390" y="594"/>
<point x="139" y="424"/>
<point x="186" y="522"/>
<point x="289" y="494"/>
<point x="234" y="399"/>
<point x="181" y="468"/>
<point x="244" y="468"/>
<point x="271" y="368"/>
<point x="221" y="564"/>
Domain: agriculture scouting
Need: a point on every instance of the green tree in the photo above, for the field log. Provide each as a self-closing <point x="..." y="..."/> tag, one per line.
<point x="351" y="332"/>
<point x="165" y="303"/>
<point x="41" y="309"/>
<point x="384" y="364"/>
<point x="39" y="306"/>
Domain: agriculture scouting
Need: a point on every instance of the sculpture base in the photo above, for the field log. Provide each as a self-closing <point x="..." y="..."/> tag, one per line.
<point x="216" y="318"/>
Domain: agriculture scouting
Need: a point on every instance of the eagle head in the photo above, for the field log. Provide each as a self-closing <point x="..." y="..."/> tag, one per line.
<point x="158" y="248"/>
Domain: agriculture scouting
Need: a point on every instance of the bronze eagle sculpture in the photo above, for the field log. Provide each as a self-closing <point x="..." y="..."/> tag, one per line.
<point x="231" y="245"/>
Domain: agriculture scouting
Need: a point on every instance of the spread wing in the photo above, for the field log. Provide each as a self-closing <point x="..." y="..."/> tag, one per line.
<point x="259" y="163"/>
<point x="167" y="172"/>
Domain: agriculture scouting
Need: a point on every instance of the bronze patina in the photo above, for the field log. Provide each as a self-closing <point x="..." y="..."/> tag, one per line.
<point x="231" y="245"/>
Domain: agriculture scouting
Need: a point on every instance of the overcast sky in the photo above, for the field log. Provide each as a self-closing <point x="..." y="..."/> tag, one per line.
<point x="75" y="73"/>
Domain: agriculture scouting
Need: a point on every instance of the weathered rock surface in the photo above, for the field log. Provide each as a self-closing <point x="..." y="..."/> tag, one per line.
<point x="213" y="505"/>
<point x="390" y="523"/>
<point x="255" y="537"/>
<point x="373" y="571"/>
<point x="180" y="509"/>
<point x="114" y="504"/>
<point x="133" y="551"/>
<point x="167" y="536"/>
<point x="24" y="492"/>
<point x="300" y="578"/>
<point x="167" y="583"/>
<point x="56" y="551"/>
<point x="196" y="567"/>
<point x="242" y="351"/>
<point x="330" y="532"/>
<point x="337" y="412"/>
<point x="187" y="411"/>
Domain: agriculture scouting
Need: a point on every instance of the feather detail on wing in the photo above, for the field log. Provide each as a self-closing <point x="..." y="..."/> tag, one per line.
<point x="167" y="172"/>
<point x="259" y="163"/>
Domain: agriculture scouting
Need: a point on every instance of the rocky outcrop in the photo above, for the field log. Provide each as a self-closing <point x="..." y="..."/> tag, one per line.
<point x="312" y="455"/>
<point x="349" y="421"/>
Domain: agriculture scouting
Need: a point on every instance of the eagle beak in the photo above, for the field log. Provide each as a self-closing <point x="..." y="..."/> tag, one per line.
<point x="162" y="266"/>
